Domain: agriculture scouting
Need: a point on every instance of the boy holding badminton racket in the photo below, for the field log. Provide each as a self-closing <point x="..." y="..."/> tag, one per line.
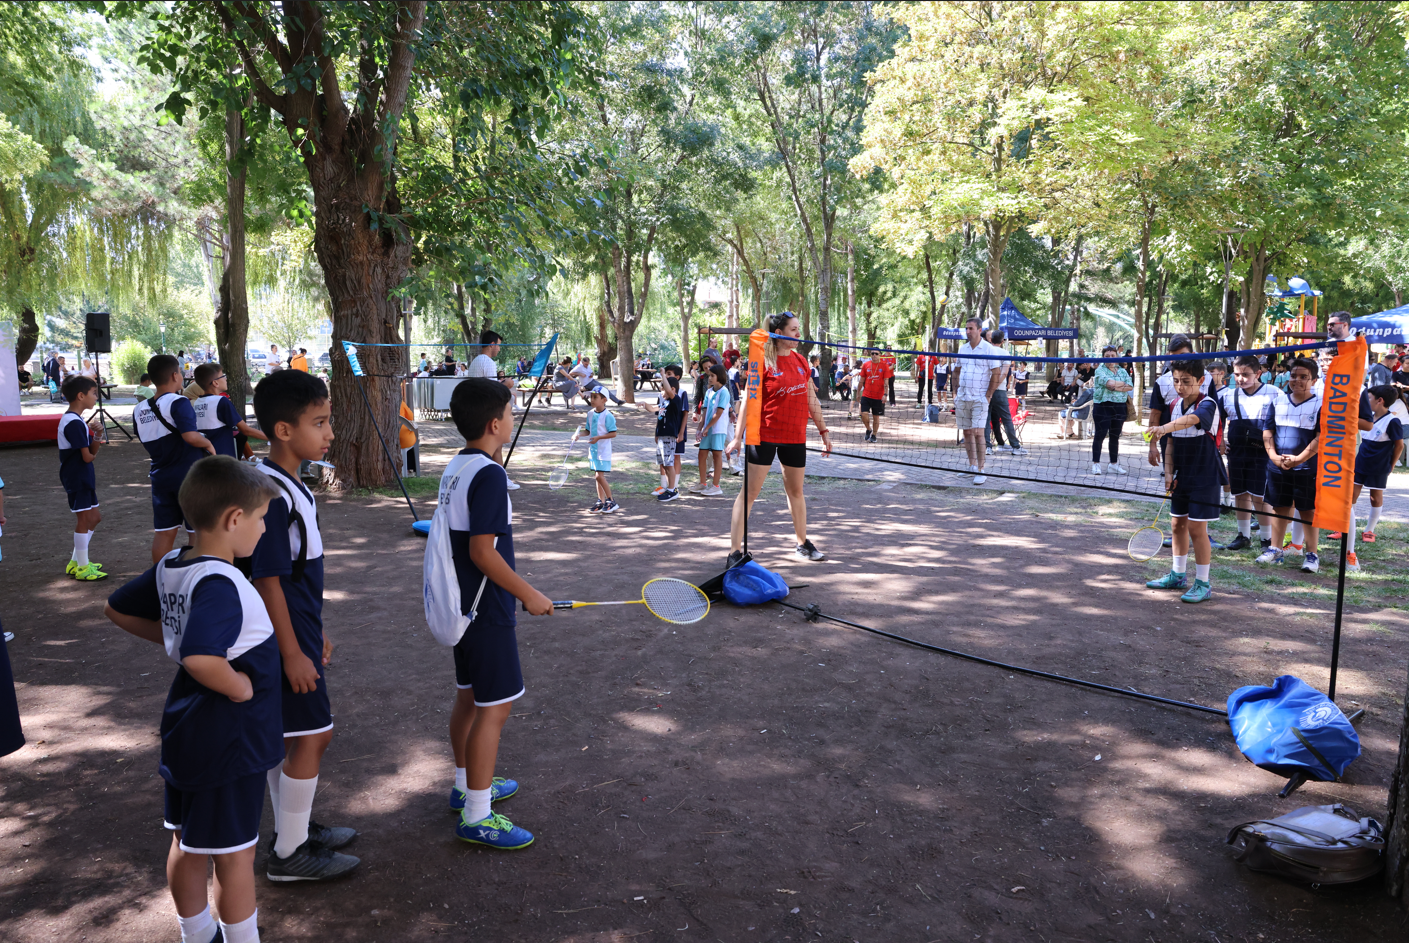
<point x="600" y="429"/>
<point x="1247" y="406"/>
<point x="474" y="492"/>
<point x="1194" y="476"/>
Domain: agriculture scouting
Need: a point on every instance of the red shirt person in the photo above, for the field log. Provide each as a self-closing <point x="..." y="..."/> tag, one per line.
<point x="874" y="375"/>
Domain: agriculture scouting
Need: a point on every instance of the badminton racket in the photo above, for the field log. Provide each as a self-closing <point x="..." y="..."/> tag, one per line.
<point x="1147" y="541"/>
<point x="669" y="599"/>
<point x="559" y="476"/>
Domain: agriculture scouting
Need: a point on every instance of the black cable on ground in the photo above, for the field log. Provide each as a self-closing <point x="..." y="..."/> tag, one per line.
<point x="814" y="612"/>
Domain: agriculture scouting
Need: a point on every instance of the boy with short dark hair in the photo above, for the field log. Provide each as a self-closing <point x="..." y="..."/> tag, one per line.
<point x="1247" y="405"/>
<point x="144" y="388"/>
<point x="1194" y="476"/>
<point x="1380" y="449"/>
<point x="220" y="728"/>
<point x="215" y="414"/>
<point x="1290" y="441"/>
<point x="287" y="569"/>
<point x="166" y="426"/>
<point x="874" y="374"/>
<point x="78" y="445"/>
<point x="682" y="401"/>
<point x="670" y="425"/>
<point x="488" y="676"/>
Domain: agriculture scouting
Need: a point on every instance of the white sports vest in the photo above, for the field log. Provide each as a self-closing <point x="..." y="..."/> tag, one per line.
<point x="175" y="586"/>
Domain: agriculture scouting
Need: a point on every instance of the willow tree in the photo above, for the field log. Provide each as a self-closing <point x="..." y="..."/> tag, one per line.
<point x="343" y="79"/>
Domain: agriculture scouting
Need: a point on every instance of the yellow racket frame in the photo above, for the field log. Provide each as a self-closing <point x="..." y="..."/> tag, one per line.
<point x="575" y="604"/>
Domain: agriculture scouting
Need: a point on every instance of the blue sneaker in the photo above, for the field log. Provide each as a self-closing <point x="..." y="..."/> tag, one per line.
<point x="499" y="789"/>
<point x="1200" y="591"/>
<point x="494" y="832"/>
<point x="1170" y="580"/>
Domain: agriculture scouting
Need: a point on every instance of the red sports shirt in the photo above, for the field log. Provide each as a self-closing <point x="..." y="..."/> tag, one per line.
<point x="873" y="379"/>
<point x="784" y="414"/>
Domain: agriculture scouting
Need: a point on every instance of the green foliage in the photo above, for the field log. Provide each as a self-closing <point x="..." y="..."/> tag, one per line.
<point x="129" y="359"/>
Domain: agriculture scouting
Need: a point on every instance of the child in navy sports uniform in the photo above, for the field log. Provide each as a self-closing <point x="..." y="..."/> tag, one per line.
<point x="1290" y="441"/>
<point x="1194" y="476"/>
<point x="166" y="426"/>
<point x="1380" y="449"/>
<point x="1246" y="406"/>
<point x="220" y="729"/>
<point x="215" y="414"/>
<point x="670" y="426"/>
<point x="287" y="568"/>
<point x="77" y="449"/>
<point x="488" y="677"/>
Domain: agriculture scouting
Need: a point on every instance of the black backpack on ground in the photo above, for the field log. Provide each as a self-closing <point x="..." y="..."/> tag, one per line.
<point x="1318" y="844"/>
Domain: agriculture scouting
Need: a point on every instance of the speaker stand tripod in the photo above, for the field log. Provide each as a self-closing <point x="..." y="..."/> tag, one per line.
<point x="102" y="414"/>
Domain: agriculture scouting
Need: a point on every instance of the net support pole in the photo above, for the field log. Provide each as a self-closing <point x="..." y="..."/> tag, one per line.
<point x="386" y="451"/>
<point x="531" y="397"/>
<point x="1340" y="610"/>
<point x="747" y="507"/>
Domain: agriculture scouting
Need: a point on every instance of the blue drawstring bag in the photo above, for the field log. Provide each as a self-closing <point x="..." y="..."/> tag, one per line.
<point x="1292" y="728"/>
<point x="749" y="584"/>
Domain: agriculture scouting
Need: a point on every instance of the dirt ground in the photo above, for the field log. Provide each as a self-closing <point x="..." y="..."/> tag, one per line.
<point x="750" y="777"/>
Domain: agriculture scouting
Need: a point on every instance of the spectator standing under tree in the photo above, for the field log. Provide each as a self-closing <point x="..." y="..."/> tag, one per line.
<point x="889" y="361"/>
<point x="275" y="363"/>
<point x="923" y="372"/>
<point x="484" y="367"/>
<point x="1110" y="391"/>
<point x="1377" y="374"/>
<point x="977" y="381"/>
<point x="1000" y="416"/>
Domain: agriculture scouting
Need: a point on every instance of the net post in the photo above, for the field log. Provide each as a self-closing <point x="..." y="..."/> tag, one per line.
<point x="746" y="500"/>
<point x="1340" y="609"/>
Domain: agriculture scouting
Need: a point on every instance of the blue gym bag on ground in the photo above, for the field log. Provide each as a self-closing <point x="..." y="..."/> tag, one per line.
<point x="749" y="584"/>
<point x="1291" y="728"/>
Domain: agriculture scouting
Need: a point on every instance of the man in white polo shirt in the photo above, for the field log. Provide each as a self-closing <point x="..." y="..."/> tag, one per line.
<point x="483" y="366"/>
<point x="977" y="381"/>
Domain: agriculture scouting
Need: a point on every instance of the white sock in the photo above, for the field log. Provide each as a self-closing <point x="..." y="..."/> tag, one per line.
<point x="246" y="931"/>
<point x="1181" y="564"/>
<point x="460" y="782"/>
<point x="80" y="547"/>
<point x="272" y="778"/>
<point x="1350" y="536"/>
<point x="1245" y="527"/>
<point x="1374" y="518"/>
<point x="664" y="481"/>
<point x="197" y="929"/>
<point x="1201" y="571"/>
<point x="477" y="804"/>
<point x="1298" y="535"/>
<point x="296" y="806"/>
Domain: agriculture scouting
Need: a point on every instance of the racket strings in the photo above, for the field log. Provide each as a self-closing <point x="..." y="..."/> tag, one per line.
<point x="1145" y="543"/>
<point x="675" y="600"/>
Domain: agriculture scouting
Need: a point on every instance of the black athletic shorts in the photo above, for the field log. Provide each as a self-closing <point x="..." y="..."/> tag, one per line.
<point x="1295" y="488"/>
<point x="876" y="406"/>
<point x="789" y="456"/>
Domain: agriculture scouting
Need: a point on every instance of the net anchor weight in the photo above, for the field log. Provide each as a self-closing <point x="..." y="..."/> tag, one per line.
<point x="812" y="613"/>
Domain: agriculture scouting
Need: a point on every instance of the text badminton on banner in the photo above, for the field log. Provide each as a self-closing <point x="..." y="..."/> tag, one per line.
<point x="1340" y="412"/>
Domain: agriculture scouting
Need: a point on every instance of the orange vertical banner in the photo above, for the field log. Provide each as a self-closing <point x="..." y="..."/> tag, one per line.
<point x="1340" y="415"/>
<point x="753" y="394"/>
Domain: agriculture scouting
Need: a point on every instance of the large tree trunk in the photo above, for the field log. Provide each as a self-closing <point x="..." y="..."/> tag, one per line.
<point x="997" y="233"/>
<point x="361" y="269"/>
<point x="463" y="316"/>
<point x="934" y="306"/>
<point x="1255" y="291"/>
<point x="232" y="317"/>
<point x="851" y="293"/>
<point x="606" y="347"/>
<point x="28" y="337"/>
<point x="685" y="315"/>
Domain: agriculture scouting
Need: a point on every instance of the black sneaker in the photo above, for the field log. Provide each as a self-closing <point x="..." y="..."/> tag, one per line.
<point x="1266" y="542"/>
<point x="1255" y="526"/>
<point x="670" y="495"/>
<point x="331" y="837"/>
<point x="734" y="559"/>
<point x="809" y="552"/>
<point x="309" y="862"/>
<point x="595" y="508"/>
<point x="1239" y="543"/>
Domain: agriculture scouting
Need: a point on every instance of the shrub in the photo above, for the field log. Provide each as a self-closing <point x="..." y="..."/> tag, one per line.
<point x="129" y="359"/>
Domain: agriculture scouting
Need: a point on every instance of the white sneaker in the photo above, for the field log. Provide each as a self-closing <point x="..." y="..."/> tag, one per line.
<point x="973" y="469"/>
<point x="713" y="491"/>
<point x="1020" y="451"/>
<point x="511" y="484"/>
<point x="1119" y="469"/>
<point x="980" y="478"/>
<point x="657" y="492"/>
<point x="1095" y="468"/>
<point x="696" y="489"/>
<point x="1003" y="448"/>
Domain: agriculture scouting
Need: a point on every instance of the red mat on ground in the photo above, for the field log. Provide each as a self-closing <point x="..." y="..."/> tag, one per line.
<point x="17" y="430"/>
